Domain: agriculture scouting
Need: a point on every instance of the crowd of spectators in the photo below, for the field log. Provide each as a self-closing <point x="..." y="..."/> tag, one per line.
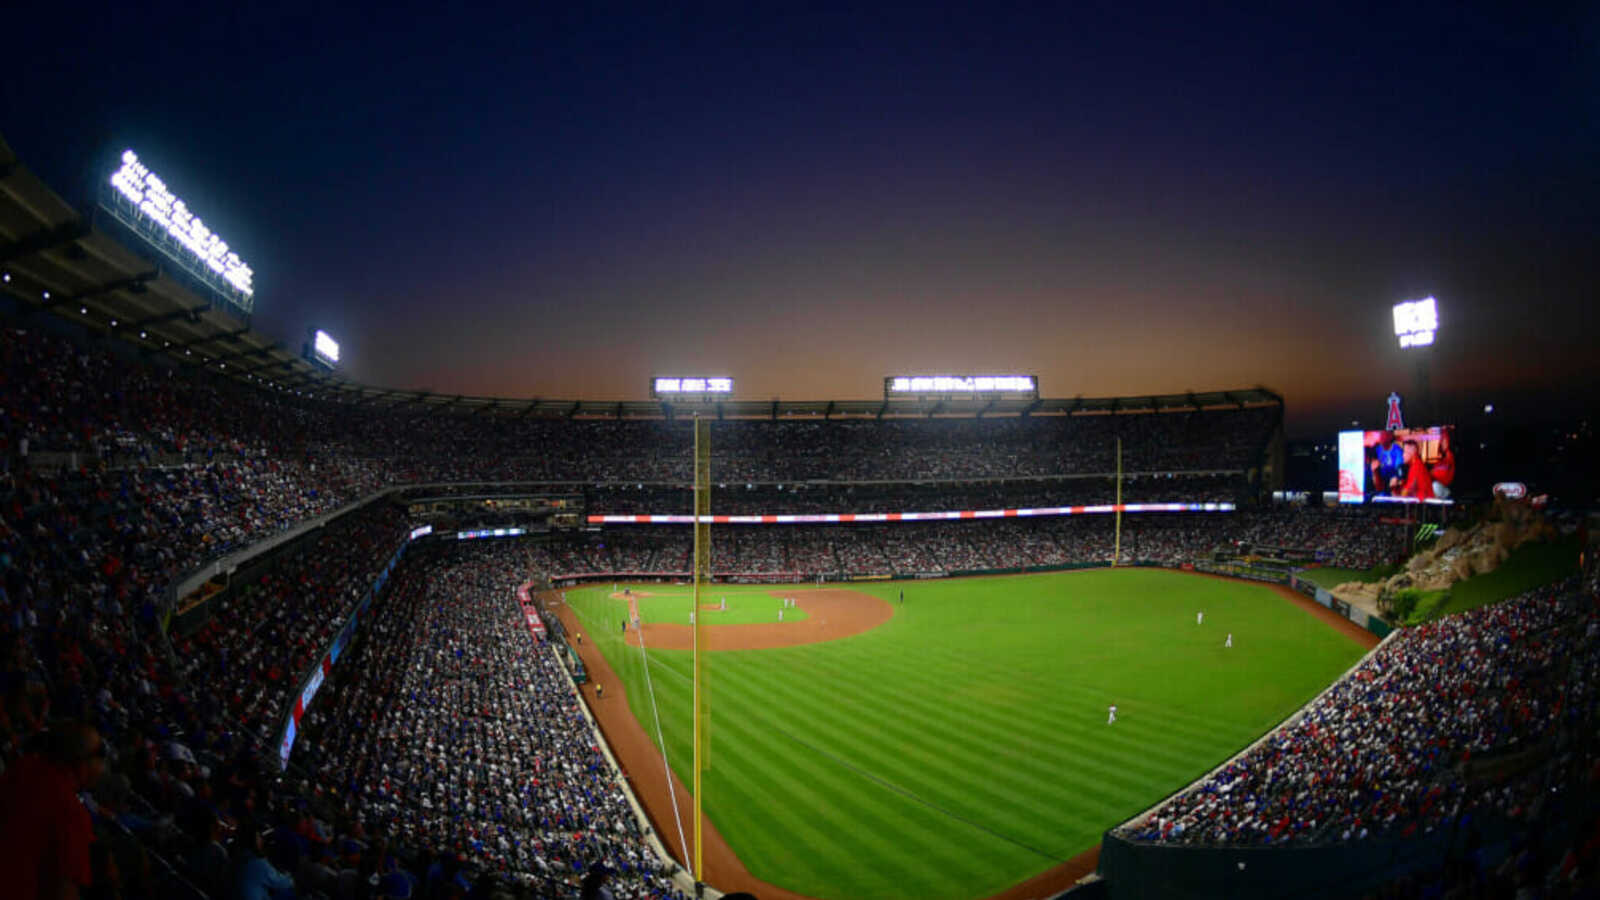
<point x="1389" y="749"/>
<point x="451" y="730"/>
<point x="105" y="403"/>
<point x="261" y="636"/>
<point x="181" y="738"/>
<point x="454" y="753"/>
<point x="837" y="551"/>
<point x="871" y="497"/>
<point x="1351" y="537"/>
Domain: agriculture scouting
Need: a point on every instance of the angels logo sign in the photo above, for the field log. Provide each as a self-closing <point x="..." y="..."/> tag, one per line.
<point x="1393" y="422"/>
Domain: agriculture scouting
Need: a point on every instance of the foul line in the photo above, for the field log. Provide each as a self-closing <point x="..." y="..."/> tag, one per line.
<point x="671" y="792"/>
<point x="885" y="783"/>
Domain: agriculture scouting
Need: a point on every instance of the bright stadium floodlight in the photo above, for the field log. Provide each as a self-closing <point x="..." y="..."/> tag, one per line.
<point x="907" y="385"/>
<point x="320" y="349"/>
<point x="156" y="202"/>
<point x="326" y="347"/>
<point x="702" y="387"/>
<point x="1415" y="322"/>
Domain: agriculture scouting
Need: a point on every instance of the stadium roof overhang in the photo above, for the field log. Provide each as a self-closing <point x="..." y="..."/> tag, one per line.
<point x="384" y="398"/>
<point x="55" y="259"/>
<point x="59" y="262"/>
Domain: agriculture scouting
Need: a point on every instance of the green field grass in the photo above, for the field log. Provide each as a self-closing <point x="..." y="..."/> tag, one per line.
<point x="1528" y="567"/>
<point x="1331" y="577"/>
<point x="962" y="746"/>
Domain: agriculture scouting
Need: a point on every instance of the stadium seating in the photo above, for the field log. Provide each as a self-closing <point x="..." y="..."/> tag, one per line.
<point x="121" y="476"/>
<point x="1385" y="751"/>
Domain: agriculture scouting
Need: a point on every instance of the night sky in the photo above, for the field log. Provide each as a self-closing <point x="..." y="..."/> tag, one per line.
<point x="560" y="204"/>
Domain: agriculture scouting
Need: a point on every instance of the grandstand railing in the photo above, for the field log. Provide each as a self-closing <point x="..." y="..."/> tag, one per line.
<point x="187" y="584"/>
<point x="311" y="680"/>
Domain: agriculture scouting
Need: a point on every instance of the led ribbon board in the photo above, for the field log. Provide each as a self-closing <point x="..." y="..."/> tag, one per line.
<point x="156" y="204"/>
<point x="939" y="516"/>
<point x="481" y="533"/>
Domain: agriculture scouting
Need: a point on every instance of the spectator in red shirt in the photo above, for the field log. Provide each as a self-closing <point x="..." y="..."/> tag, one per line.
<point x="1444" y="471"/>
<point x="1418" y="483"/>
<point x="45" y="831"/>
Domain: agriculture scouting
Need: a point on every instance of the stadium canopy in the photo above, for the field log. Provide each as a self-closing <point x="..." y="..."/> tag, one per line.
<point x="59" y="262"/>
<point x="380" y="398"/>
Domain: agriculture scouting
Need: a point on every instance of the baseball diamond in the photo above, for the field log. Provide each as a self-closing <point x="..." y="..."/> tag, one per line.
<point x="966" y="724"/>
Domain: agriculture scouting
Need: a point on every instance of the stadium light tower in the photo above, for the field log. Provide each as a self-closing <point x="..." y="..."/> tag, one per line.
<point x="1415" y="324"/>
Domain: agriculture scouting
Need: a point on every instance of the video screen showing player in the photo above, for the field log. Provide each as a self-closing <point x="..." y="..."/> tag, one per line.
<point x="1415" y="464"/>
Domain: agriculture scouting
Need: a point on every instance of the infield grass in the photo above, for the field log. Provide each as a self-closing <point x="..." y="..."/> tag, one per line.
<point x="669" y="604"/>
<point x="962" y="746"/>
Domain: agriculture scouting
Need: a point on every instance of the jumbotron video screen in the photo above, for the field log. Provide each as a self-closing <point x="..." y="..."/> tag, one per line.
<point x="1406" y="465"/>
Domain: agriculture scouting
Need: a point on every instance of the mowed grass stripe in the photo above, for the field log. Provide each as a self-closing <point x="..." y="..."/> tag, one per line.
<point x="759" y="745"/>
<point x="1032" y="721"/>
<point x="1026" y="797"/>
<point x="1046" y="689"/>
<point x="949" y="785"/>
<point x="986" y="697"/>
<point x="924" y="770"/>
<point x="875" y="829"/>
<point x="938" y="770"/>
<point x="1136" y="744"/>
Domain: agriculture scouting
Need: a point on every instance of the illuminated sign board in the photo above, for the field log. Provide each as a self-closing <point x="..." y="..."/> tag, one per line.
<point x="1415" y="322"/>
<point x="421" y="531"/>
<point x="1352" y="467"/>
<point x="480" y="533"/>
<point x="938" y="516"/>
<point x="1511" y="490"/>
<point x="326" y="348"/>
<point x="668" y="387"/>
<point x="955" y="385"/>
<point x="286" y="746"/>
<point x="156" y="203"/>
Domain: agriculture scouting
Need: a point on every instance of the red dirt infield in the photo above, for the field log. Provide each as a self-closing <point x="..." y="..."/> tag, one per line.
<point x="830" y="615"/>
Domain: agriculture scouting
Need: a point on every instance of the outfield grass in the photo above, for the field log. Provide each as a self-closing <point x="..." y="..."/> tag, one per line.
<point x="963" y="746"/>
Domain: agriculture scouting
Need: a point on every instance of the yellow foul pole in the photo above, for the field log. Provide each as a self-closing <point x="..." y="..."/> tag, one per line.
<point x="702" y="574"/>
<point x="1116" y="552"/>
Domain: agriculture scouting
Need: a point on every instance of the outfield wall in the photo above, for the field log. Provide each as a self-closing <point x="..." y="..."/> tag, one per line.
<point x="1345" y="869"/>
<point x="1336" y="870"/>
<point x="1325" y="597"/>
<point x="574" y="578"/>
